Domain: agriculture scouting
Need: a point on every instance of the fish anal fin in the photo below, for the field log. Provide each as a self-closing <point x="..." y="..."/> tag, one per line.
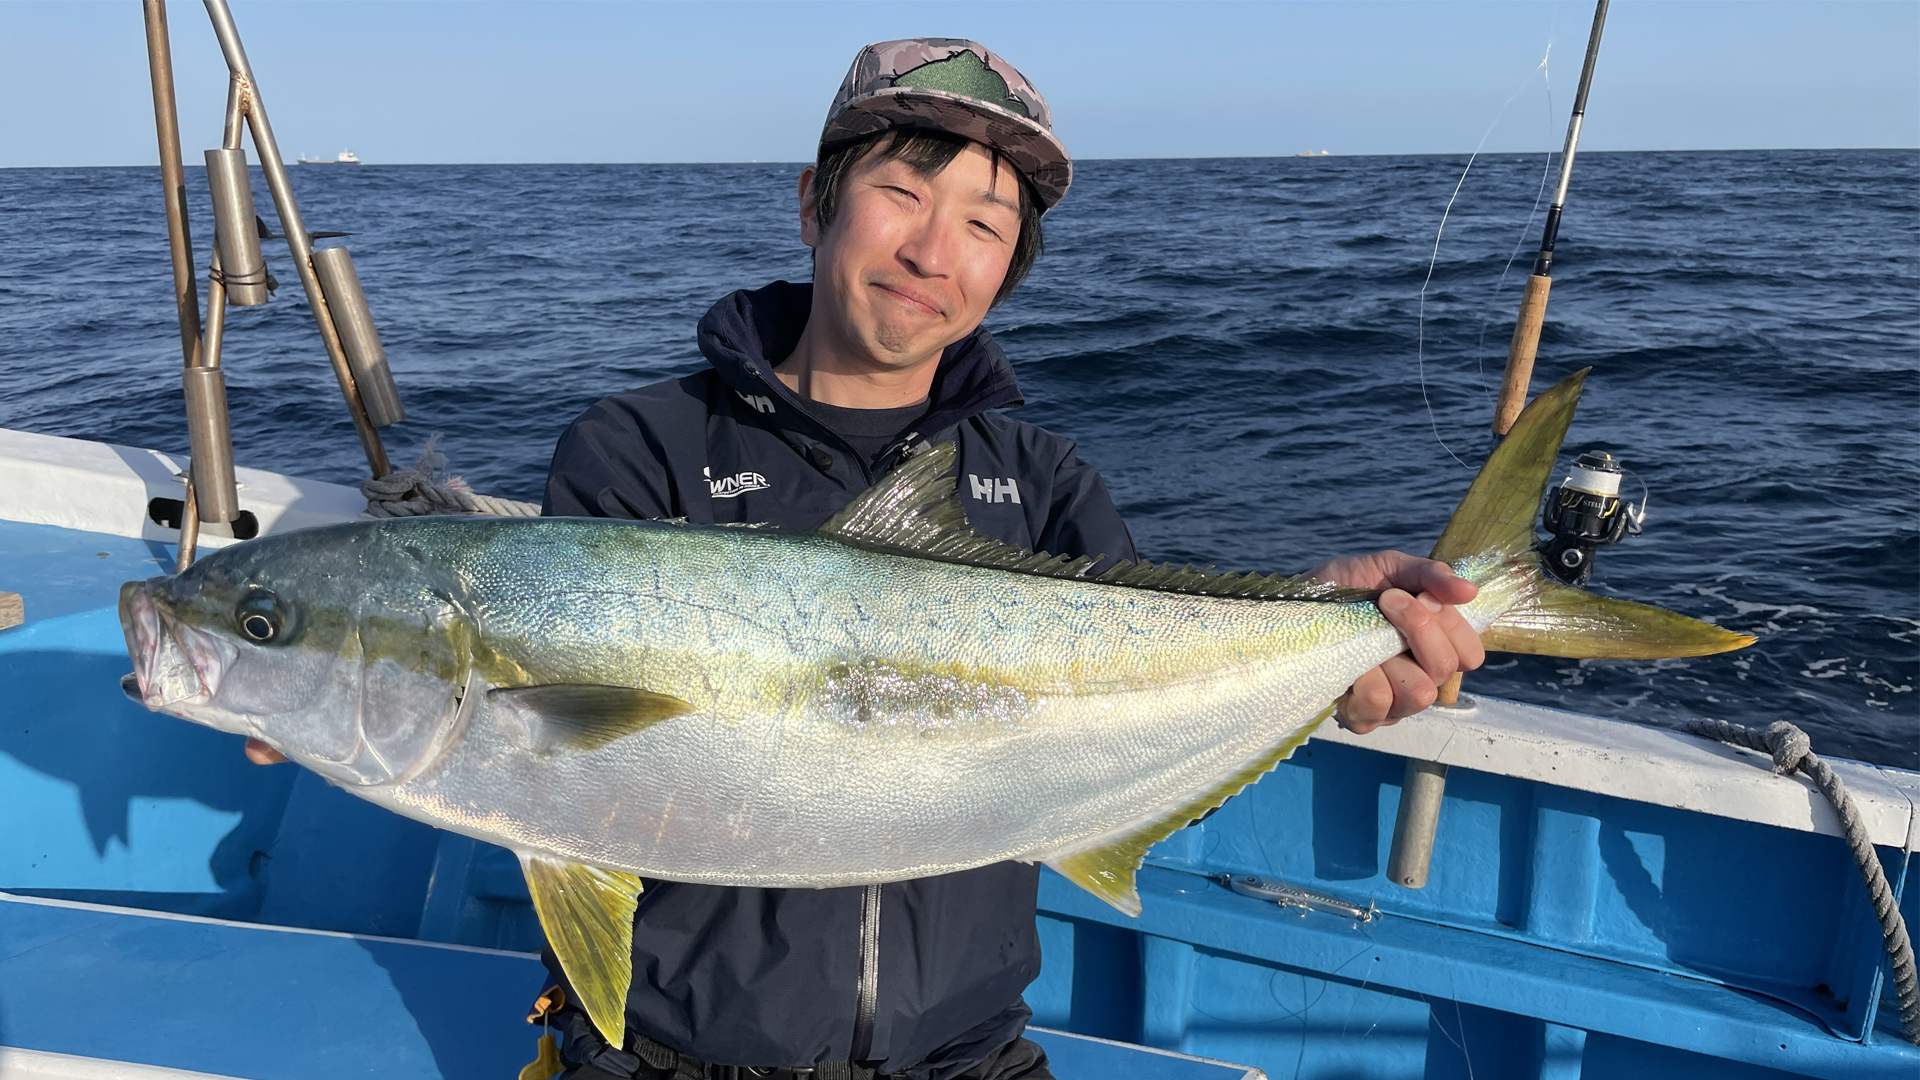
<point x="587" y="716"/>
<point x="587" y="913"/>
<point x="1107" y="871"/>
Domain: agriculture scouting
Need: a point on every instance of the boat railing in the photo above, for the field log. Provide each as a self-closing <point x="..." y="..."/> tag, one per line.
<point x="237" y="276"/>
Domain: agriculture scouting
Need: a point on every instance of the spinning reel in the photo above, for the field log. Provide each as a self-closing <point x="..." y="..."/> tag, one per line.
<point x="1584" y="512"/>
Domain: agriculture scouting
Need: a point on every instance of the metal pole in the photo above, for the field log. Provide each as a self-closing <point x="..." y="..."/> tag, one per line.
<point x="298" y="242"/>
<point x="166" y="119"/>
<point x="189" y="530"/>
<point x="212" y="463"/>
<point x="1421" y="790"/>
<point x="1425" y="783"/>
<point x="204" y="385"/>
<point x="1533" y="304"/>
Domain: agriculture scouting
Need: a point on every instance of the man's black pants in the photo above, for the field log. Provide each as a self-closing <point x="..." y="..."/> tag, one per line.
<point x="1021" y="1059"/>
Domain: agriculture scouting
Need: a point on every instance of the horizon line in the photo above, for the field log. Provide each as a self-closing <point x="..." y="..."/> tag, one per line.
<point x="1182" y="157"/>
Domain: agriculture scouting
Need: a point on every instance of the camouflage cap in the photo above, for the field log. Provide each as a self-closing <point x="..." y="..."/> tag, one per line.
<point x="955" y="85"/>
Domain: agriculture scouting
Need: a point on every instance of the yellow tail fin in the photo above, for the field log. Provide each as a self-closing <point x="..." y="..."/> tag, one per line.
<point x="1552" y="619"/>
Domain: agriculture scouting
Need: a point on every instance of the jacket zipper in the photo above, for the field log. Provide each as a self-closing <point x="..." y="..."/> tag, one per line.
<point x="869" y="989"/>
<point x="866" y="471"/>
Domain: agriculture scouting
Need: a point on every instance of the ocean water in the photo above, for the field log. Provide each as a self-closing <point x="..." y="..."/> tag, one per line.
<point x="1242" y="346"/>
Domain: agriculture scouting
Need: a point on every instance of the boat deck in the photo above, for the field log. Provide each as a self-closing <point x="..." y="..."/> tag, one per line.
<point x="235" y="999"/>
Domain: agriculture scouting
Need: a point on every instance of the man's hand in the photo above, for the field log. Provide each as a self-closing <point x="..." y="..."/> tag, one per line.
<point x="1417" y="599"/>
<point x="261" y="754"/>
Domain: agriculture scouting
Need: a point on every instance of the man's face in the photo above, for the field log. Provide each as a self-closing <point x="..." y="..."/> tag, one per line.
<point x="911" y="263"/>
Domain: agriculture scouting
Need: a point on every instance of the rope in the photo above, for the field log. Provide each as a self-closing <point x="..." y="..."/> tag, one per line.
<point x="1792" y="751"/>
<point x="427" y="489"/>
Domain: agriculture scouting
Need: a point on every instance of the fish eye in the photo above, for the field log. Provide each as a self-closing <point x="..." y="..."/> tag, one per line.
<point x="260" y="617"/>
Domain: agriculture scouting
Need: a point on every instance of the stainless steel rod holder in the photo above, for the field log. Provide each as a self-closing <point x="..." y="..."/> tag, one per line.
<point x="354" y="321"/>
<point x="242" y="268"/>
<point x="209" y="432"/>
<point x="1421" y="791"/>
<point x="212" y="442"/>
<point x="298" y="242"/>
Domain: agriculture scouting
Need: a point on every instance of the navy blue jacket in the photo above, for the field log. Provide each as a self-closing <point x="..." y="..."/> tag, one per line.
<point x="769" y="976"/>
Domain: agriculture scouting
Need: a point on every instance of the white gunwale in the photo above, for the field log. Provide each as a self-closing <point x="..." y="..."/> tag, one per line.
<point x="21" y="1064"/>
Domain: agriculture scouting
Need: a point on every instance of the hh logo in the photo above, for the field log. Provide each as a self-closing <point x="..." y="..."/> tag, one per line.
<point x="759" y="402"/>
<point x="738" y="484"/>
<point x="993" y="489"/>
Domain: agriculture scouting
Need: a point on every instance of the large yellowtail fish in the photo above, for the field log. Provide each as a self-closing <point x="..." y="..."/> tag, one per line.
<point x="890" y="697"/>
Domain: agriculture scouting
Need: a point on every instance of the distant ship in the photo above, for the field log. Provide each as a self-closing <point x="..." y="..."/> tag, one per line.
<point x="1303" y="153"/>
<point x="347" y="157"/>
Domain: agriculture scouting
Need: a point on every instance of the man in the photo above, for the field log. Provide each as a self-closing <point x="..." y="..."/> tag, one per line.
<point x="923" y="210"/>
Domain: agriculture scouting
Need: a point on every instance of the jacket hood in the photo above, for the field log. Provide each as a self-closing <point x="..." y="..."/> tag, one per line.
<point x="749" y="331"/>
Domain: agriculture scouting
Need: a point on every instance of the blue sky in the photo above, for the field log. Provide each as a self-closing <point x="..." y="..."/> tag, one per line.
<point x="405" y="81"/>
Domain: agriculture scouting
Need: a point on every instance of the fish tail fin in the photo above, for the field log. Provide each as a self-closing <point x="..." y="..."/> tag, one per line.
<point x="1490" y="541"/>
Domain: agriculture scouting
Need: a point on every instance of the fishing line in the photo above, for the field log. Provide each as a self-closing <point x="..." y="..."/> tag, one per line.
<point x="1420" y="339"/>
<point x="1546" y="174"/>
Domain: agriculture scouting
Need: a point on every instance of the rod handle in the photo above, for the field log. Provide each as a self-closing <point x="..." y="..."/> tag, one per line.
<point x="1526" y="342"/>
<point x="1421" y="791"/>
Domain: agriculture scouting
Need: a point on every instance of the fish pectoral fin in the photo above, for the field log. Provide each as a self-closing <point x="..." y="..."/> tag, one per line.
<point x="587" y="913"/>
<point x="586" y="716"/>
<point x="1107" y="871"/>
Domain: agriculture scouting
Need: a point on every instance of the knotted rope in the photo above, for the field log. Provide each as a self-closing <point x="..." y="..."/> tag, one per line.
<point x="1792" y="751"/>
<point x="427" y="489"/>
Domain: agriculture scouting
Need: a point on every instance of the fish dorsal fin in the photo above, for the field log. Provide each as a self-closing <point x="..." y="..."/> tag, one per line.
<point x="1107" y="870"/>
<point x="916" y="510"/>
<point x="587" y="913"/>
<point x="586" y="716"/>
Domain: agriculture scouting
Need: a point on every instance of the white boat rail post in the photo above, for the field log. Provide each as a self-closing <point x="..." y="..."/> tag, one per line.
<point x="1425" y="783"/>
<point x="299" y="244"/>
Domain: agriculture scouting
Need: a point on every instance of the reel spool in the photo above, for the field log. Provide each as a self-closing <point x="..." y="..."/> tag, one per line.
<point x="1583" y="513"/>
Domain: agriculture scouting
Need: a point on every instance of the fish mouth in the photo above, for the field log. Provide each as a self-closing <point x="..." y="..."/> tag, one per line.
<point x="175" y="666"/>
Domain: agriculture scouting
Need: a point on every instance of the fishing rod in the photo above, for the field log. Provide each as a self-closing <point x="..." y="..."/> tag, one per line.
<point x="1586" y="510"/>
<point x="1587" y="515"/>
<point x="1533" y="303"/>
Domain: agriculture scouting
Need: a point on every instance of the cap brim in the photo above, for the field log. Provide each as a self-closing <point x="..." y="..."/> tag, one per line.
<point x="1030" y="148"/>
